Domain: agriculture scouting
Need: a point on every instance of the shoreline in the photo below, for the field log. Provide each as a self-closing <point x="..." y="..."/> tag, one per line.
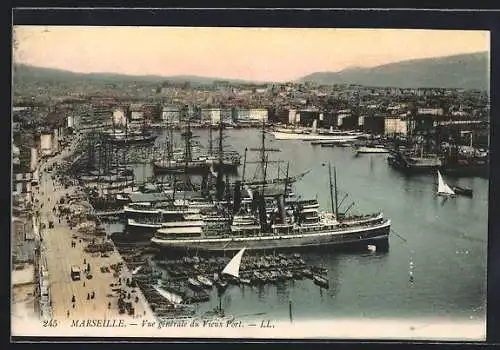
<point x="64" y="247"/>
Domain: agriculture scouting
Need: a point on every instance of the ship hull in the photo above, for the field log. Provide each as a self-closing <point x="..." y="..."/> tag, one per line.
<point x="372" y="150"/>
<point x="401" y="164"/>
<point x="278" y="135"/>
<point x="194" y="168"/>
<point x="132" y="140"/>
<point x="378" y="236"/>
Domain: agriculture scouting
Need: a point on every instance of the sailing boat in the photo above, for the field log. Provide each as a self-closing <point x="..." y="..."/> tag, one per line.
<point x="443" y="188"/>
<point x="232" y="269"/>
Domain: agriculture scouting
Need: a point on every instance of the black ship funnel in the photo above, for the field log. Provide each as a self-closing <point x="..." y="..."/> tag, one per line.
<point x="255" y="202"/>
<point x="237" y="197"/>
<point x="220" y="188"/>
<point x="262" y="211"/>
<point x="204" y="185"/>
<point x="281" y="208"/>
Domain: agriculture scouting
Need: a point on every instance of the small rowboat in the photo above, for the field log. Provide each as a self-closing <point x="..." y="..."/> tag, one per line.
<point x="320" y="281"/>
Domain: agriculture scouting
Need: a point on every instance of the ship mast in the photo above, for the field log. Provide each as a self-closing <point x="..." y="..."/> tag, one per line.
<point x="126" y="124"/>
<point x="286" y="178"/>
<point x="188" y="152"/>
<point x="331" y="188"/>
<point x="221" y="148"/>
<point x="210" y="141"/>
<point x="220" y="175"/>
<point x="263" y="151"/>
<point x="244" y="165"/>
<point x="335" y="189"/>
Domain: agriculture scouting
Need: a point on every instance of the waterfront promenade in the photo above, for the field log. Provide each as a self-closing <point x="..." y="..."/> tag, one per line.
<point x="96" y="295"/>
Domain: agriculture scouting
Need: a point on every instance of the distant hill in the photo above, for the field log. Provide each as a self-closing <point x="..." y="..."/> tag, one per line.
<point x="468" y="71"/>
<point x="28" y="73"/>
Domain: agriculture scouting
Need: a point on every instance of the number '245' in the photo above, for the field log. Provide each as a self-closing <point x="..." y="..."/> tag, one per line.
<point x="50" y="323"/>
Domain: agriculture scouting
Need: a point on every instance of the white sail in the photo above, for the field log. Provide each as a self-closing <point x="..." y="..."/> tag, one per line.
<point x="233" y="267"/>
<point x="443" y="188"/>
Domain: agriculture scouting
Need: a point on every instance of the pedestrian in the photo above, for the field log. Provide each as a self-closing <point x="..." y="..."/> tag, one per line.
<point x="73" y="305"/>
<point x="109" y="305"/>
<point x="84" y="261"/>
<point x="67" y="313"/>
<point x="73" y="299"/>
<point x="88" y="296"/>
<point x="84" y="283"/>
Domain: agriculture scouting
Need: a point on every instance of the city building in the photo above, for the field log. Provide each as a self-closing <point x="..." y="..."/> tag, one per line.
<point x="46" y="144"/>
<point x="119" y="117"/>
<point x="250" y="115"/>
<point x="395" y="126"/>
<point x="171" y="113"/>
<point x="136" y="111"/>
<point x="430" y="111"/>
<point x="216" y="115"/>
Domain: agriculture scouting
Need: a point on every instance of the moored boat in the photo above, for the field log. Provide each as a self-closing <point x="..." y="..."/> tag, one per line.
<point x="462" y="191"/>
<point x="372" y="149"/>
<point x="194" y="284"/>
<point x="321" y="281"/>
<point x="443" y="188"/>
<point x="206" y="282"/>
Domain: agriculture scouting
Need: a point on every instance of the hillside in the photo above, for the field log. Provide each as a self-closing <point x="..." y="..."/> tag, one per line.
<point x="26" y="73"/>
<point x="468" y="71"/>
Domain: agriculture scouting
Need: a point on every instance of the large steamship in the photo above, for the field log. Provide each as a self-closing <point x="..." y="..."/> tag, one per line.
<point x="279" y="221"/>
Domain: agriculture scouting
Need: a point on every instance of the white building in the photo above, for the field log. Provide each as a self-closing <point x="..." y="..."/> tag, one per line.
<point x="70" y="121"/>
<point x="293" y="117"/>
<point x="46" y="144"/>
<point x="171" y="113"/>
<point x="16" y="152"/>
<point x="430" y="111"/>
<point x="55" y="142"/>
<point x="119" y="117"/>
<point x="19" y="109"/>
<point x="136" y="112"/>
<point x="33" y="159"/>
<point x="211" y="115"/>
<point x="396" y="126"/>
<point x="258" y="114"/>
<point x="252" y="114"/>
<point x="361" y="120"/>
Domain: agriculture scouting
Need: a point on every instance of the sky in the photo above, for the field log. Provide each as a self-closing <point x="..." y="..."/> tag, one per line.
<point x="259" y="54"/>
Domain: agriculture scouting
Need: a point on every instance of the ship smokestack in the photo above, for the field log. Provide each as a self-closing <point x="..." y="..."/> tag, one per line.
<point x="281" y="208"/>
<point x="220" y="186"/>
<point x="204" y="185"/>
<point x="261" y="200"/>
<point x="237" y="197"/>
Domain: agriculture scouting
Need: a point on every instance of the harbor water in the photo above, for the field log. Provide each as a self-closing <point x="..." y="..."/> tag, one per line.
<point x="436" y="264"/>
